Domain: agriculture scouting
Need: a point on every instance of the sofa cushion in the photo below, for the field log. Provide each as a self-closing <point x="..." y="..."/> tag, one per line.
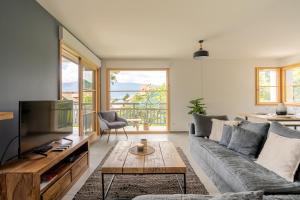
<point x="203" y="124"/>
<point x="173" y="197"/>
<point x="281" y="155"/>
<point x="240" y="172"/>
<point x="245" y="142"/>
<point x="251" y="195"/>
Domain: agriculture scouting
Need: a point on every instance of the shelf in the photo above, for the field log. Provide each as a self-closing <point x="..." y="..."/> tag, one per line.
<point x="62" y="169"/>
<point x="6" y="115"/>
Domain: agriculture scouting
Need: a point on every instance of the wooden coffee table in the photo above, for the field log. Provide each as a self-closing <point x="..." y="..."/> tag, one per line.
<point x="165" y="160"/>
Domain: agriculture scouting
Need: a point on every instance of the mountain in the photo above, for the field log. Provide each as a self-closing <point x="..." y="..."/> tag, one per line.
<point x="73" y="86"/>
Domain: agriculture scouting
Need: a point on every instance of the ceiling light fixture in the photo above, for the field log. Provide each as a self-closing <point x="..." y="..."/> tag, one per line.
<point x="199" y="55"/>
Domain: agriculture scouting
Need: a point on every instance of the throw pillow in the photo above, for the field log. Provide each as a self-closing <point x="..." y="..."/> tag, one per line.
<point x="227" y="132"/>
<point x="260" y="128"/>
<point x="284" y="131"/>
<point x="245" y="142"/>
<point x="226" y="135"/>
<point x="281" y="155"/>
<point x="217" y="128"/>
<point x="255" y="195"/>
<point x="203" y="124"/>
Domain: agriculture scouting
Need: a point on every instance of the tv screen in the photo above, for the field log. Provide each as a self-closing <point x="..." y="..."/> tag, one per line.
<point x="42" y="122"/>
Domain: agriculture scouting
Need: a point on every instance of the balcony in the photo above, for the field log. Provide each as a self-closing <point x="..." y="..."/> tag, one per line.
<point x="142" y="117"/>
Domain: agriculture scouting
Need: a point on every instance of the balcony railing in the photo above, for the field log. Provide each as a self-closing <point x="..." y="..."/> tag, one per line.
<point x="154" y="114"/>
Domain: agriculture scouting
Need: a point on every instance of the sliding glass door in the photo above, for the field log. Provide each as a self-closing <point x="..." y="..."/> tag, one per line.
<point x="70" y="86"/>
<point x="88" y="103"/>
<point x="79" y="83"/>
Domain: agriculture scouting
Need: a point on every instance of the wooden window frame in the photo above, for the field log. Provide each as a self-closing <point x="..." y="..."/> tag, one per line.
<point x="283" y="85"/>
<point x="257" y="86"/>
<point x="107" y="90"/>
<point x="69" y="53"/>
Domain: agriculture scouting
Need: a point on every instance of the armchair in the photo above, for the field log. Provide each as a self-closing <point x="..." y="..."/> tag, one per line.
<point x="110" y="120"/>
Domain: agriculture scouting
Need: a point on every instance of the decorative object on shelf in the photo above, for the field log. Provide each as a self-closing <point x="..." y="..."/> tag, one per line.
<point x="6" y="115"/>
<point x="197" y="107"/>
<point x="140" y="147"/>
<point x="146" y="150"/>
<point x="281" y="109"/>
<point x="199" y="55"/>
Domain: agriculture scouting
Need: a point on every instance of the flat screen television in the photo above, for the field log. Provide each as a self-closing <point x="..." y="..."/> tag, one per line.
<point x="42" y="122"/>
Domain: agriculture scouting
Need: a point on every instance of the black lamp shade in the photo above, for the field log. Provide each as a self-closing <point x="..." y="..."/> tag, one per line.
<point x="198" y="55"/>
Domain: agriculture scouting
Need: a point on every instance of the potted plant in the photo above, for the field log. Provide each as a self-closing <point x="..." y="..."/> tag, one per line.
<point x="197" y="106"/>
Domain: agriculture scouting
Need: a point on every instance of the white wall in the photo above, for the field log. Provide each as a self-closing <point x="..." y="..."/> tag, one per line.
<point x="228" y="86"/>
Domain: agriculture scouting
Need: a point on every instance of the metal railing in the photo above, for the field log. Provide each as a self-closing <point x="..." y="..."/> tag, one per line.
<point x="155" y="114"/>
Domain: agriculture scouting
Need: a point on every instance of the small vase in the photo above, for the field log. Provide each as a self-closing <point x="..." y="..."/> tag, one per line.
<point x="281" y="109"/>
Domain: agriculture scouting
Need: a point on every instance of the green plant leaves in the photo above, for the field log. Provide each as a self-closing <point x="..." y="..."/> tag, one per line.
<point x="197" y="106"/>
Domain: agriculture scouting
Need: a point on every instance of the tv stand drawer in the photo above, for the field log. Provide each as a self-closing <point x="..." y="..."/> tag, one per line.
<point x="55" y="191"/>
<point x="79" y="166"/>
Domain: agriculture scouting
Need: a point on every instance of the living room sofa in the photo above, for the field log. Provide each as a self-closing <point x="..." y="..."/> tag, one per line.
<point x="233" y="172"/>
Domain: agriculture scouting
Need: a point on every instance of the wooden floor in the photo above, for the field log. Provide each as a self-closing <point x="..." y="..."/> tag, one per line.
<point x="99" y="149"/>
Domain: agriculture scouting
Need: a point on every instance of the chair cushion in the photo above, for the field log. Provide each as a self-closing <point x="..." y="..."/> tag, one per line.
<point x="116" y="125"/>
<point x="109" y="116"/>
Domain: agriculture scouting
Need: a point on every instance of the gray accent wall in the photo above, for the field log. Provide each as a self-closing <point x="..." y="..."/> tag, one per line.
<point x="29" y="61"/>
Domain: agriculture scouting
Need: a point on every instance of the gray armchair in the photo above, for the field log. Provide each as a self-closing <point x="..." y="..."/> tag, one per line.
<point x="110" y="120"/>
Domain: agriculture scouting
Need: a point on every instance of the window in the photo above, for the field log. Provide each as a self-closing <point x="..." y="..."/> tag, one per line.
<point x="79" y="83"/>
<point x="140" y="96"/>
<point x="267" y="86"/>
<point x="291" y="84"/>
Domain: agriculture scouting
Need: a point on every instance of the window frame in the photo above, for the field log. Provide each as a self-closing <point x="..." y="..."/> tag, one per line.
<point x="107" y="89"/>
<point x="283" y="80"/>
<point x="257" y="86"/>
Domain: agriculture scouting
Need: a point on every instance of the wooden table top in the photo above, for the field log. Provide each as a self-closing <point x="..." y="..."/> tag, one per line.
<point x="272" y="117"/>
<point x="165" y="159"/>
<point x="6" y="115"/>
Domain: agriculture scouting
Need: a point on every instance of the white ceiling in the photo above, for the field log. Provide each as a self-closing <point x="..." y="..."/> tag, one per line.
<point x="232" y="29"/>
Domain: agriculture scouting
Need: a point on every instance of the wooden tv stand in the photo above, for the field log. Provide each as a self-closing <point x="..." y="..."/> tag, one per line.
<point x="22" y="180"/>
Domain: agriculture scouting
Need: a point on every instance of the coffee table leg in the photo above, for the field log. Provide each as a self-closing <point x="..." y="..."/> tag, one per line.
<point x="103" y="192"/>
<point x="184" y="183"/>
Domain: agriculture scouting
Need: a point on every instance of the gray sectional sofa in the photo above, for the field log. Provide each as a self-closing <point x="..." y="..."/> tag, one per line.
<point x="234" y="172"/>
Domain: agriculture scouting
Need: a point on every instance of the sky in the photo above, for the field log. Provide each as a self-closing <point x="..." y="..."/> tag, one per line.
<point x="70" y="72"/>
<point x="142" y="77"/>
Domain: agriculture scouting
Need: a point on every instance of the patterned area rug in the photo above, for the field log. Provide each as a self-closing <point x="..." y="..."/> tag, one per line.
<point x="127" y="187"/>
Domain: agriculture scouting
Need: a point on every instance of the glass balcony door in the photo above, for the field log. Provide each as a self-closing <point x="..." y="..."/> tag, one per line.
<point x="70" y="86"/>
<point x="79" y="83"/>
<point x="88" y="99"/>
